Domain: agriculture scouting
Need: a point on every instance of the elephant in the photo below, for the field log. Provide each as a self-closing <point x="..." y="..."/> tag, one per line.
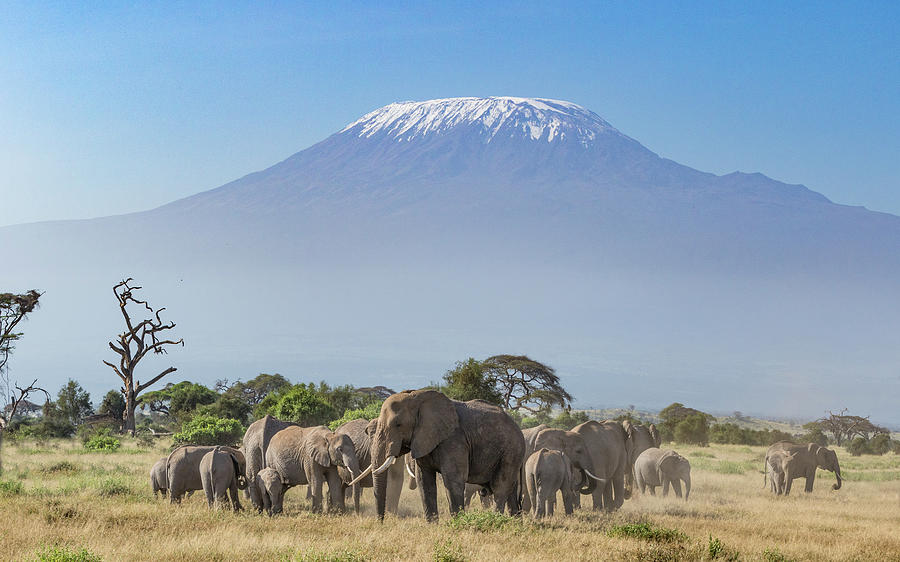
<point x="312" y="455"/>
<point x="642" y="438"/>
<point x="609" y="448"/>
<point x="270" y="489"/>
<point x="807" y="458"/>
<point x="360" y="432"/>
<point x="255" y="443"/>
<point x="471" y="489"/>
<point x="470" y="442"/>
<point x="221" y="473"/>
<point x="530" y="435"/>
<point x="777" y="464"/>
<point x="575" y="448"/>
<point x="547" y="471"/>
<point x="158" y="478"/>
<point x="183" y="469"/>
<point x="655" y="467"/>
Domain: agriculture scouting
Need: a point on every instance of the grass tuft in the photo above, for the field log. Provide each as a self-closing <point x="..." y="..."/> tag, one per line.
<point x="484" y="521"/>
<point x="64" y="467"/>
<point x="11" y="488"/>
<point x="313" y="555"/>
<point x="56" y="553"/>
<point x="446" y="551"/>
<point x="646" y="531"/>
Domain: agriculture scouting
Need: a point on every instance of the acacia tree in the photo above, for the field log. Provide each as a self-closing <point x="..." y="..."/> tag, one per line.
<point x="13" y="309"/>
<point x="134" y="343"/>
<point x="844" y="426"/>
<point x="526" y="384"/>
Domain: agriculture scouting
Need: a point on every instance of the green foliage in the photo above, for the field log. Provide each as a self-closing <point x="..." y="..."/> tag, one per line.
<point x="209" y="430"/>
<point x="11" y="488"/>
<point x="57" y="553"/>
<point x="102" y="441"/>
<point x="814" y="434"/>
<point x="370" y="412"/>
<point x="881" y="444"/>
<point x="178" y="401"/>
<point x="468" y="380"/>
<point x="716" y="550"/>
<point x="73" y="403"/>
<point x="113" y="405"/>
<point x="300" y="404"/>
<point x="53" y="423"/>
<point x="309" y="404"/>
<point x="646" y="531"/>
<point x="729" y="433"/>
<point x="773" y="555"/>
<point x="859" y="446"/>
<point x="483" y="521"/>
<point x="447" y="551"/>
<point x="684" y="425"/>
<point x="256" y="389"/>
<point x="64" y="467"/>
<point x="526" y="384"/>
<point x="227" y="405"/>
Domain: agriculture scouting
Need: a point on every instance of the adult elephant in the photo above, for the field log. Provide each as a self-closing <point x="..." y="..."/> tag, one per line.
<point x="361" y="432"/>
<point x="183" y="469"/>
<point x="610" y="451"/>
<point x="642" y="437"/>
<point x="471" y="442"/>
<point x="255" y="443"/>
<point x="573" y="445"/>
<point x="806" y="459"/>
<point x="312" y="455"/>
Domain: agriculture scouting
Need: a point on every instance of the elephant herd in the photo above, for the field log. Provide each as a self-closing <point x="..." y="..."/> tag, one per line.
<point x="474" y="446"/>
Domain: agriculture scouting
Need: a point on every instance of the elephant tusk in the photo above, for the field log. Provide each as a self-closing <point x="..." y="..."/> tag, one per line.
<point x="361" y="476"/>
<point x="601" y="480"/>
<point x="408" y="471"/>
<point x="390" y="460"/>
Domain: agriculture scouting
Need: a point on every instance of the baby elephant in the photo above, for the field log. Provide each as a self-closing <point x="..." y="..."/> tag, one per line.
<point x="271" y="490"/>
<point x="547" y="471"/>
<point x="220" y="472"/>
<point x="158" y="480"/>
<point x="655" y="467"/>
<point x="778" y="463"/>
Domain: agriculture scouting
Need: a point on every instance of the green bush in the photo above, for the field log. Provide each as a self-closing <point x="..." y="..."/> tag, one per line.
<point x="446" y="551"/>
<point x="646" y="531"/>
<point x="859" y="446"/>
<point x="370" y="412"/>
<point x="56" y="553"/>
<point x="102" y="441"/>
<point x="693" y="430"/>
<point x="483" y="521"/>
<point x="209" y="430"/>
<point x="11" y="488"/>
<point x="732" y="434"/>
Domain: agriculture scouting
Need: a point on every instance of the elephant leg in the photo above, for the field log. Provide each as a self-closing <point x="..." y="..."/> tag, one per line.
<point x="540" y="503"/>
<point x="567" y="502"/>
<point x="676" y="486"/>
<point x="456" y="493"/>
<point x="428" y="493"/>
<point x="597" y="496"/>
<point x="618" y="490"/>
<point x="665" y="485"/>
<point x="235" y="496"/>
<point x="551" y="502"/>
<point x="315" y="491"/>
<point x="788" y="482"/>
<point x="256" y="499"/>
<point x="531" y="493"/>
<point x="394" y="488"/>
<point x="335" y="492"/>
<point x="810" y="480"/>
<point x="652" y="490"/>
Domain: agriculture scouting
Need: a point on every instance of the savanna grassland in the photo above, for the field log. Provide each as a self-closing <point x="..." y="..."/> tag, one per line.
<point x="55" y="497"/>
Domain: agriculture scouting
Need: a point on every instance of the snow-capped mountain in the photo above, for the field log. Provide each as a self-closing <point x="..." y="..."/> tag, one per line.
<point x="426" y="232"/>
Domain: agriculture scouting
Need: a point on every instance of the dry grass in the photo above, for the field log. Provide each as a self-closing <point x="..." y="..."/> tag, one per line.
<point x="58" y="494"/>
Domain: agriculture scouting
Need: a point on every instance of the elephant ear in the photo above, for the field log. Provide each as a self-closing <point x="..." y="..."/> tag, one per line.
<point x="436" y="421"/>
<point x="813" y="448"/>
<point x="318" y="451"/>
<point x="237" y="459"/>
<point x="372" y="427"/>
<point x="654" y="434"/>
<point x="668" y="463"/>
<point x="629" y="429"/>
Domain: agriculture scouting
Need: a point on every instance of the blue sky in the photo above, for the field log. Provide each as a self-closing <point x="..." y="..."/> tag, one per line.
<point x="112" y="108"/>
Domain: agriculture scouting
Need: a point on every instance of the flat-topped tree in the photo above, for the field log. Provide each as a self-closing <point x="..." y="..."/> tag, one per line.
<point x="134" y="343"/>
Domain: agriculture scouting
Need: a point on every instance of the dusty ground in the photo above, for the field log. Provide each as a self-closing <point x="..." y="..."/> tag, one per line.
<point x="57" y="494"/>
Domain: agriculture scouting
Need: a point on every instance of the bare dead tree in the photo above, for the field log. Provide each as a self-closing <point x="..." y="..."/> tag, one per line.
<point x="134" y="343"/>
<point x="15" y="399"/>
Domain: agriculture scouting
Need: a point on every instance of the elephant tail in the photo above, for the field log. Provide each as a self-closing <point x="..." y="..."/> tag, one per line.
<point x="765" y="469"/>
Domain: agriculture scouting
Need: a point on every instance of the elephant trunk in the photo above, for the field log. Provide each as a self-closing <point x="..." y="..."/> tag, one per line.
<point x="837" y="475"/>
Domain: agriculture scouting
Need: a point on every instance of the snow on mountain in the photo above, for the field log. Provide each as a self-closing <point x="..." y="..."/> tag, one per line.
<point x="427" y="232"/>
<point x="536" y="118"/>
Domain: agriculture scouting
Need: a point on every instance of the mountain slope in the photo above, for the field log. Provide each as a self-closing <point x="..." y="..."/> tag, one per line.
<point x="425" y="232"/>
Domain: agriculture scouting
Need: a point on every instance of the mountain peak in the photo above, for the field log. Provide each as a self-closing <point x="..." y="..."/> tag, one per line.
<point x="536" y="119"/>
